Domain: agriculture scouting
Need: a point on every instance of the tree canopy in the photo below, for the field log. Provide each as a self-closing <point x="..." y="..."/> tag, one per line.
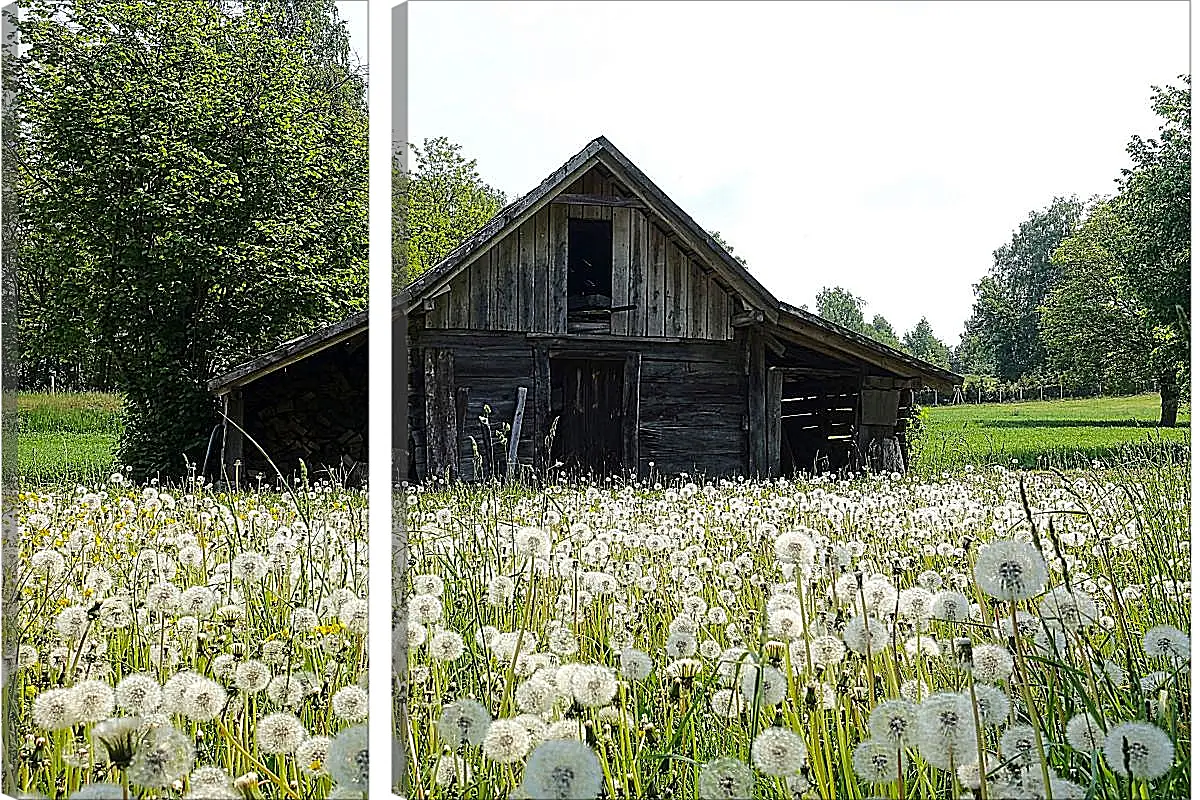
<point x="192" y="179"/>
<point x="436" y="205"/>
<point x="1121" y="309"/>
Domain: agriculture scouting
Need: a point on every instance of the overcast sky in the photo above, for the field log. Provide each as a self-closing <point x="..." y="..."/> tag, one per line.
<point x="354" y="13"/>
<point x="888" y="148"/>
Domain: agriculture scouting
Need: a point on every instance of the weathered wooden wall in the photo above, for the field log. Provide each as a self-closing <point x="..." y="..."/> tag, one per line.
<point x="520" y="283"/>
<point x="691" y="409"/>
<point x="314" y="409"/>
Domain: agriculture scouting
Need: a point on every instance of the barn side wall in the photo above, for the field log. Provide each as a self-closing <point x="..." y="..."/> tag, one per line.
<point x="691" y="405"/>
<point x="314" y="409"/>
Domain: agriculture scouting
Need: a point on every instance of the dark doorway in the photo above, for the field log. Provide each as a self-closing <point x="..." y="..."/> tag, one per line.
<point x="587" y="396"/>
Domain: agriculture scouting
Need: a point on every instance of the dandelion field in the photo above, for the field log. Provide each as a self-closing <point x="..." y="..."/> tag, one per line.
<point x="987" y="634"/>
<point x="185" y="642"/>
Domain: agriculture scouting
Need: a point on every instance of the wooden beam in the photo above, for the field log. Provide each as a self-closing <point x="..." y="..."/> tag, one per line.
<point x="597" y="200"/>
<point x="742" y="319"/>
<point x="774" y="421"/>
<point x="757" y="401"/>
<point x="514" y="438"/>
<point x="631" y="411"/>
<point x="541" y="406"/>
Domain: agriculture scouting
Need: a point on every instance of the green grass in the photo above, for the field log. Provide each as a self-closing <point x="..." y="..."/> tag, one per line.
<point x="1051" y="433"/>
<point x="67" y="437"/>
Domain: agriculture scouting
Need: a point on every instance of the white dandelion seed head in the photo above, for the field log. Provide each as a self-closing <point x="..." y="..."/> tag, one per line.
<point x="311" y="753"/>
<point x="991" y="663"/>
<point x="347" y="760"/>
<point x="1167" y="641"/>
<point x="164" y="755"/>
<point x="506" y="741"/>
<point x="464" y="722"/>
<point x="778" y="752"/>
<point x="893" y="721"/>
<point x="946" y="730"/>
<point x="203" y="700"/>
<point x="763" y="684"/>
<point x="950" y="606"/>
<point x="1010" y="570"/>
<point x="252" y="676"/>
<point x="350" y="704"/>
<point x="1139" y="749"/>
<point x="1019" y="745"/>
<point x="876" y="761"/>
<point x="446" y="646"/>
<point x="725" y="779"/>
<point x="1085" y="733"/>
<point x="280" y="733"/>
<point x="993" y="704"/>
<point x="92" y="701"/>
<point x="636" y="665"/>
<point x="593" y="685"/>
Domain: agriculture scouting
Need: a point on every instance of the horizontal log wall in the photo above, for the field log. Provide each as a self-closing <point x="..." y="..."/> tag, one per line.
<point x="520" y="283"/>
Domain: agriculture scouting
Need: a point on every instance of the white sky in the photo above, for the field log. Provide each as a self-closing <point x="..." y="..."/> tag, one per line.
<point x="885" y="147"/>
<point x="354" y="13"/>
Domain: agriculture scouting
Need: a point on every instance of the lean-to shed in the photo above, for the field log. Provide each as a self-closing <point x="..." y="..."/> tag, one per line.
<point x="598" y="322"/>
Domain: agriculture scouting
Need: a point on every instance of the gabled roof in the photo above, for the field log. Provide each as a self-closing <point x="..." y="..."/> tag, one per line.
<point x="598" y="151"/>
<point x="780" y="316"/>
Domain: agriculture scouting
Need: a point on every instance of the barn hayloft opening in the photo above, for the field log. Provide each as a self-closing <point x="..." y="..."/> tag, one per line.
<point x="589" y="265"/>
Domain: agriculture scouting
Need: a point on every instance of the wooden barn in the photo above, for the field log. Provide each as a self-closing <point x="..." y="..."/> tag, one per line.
<point x="596" y="320"/>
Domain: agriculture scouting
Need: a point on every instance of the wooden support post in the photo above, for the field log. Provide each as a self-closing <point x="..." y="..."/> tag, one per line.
<point x="234" y="441"/>
<point x="757" y="392"/>
<point x="514" y="438"/>
<point x="462" y="396"/>
<point x="541" y="407"/>
<point x="631" y="412"/>
<point x="441" y="433"/>
<point x="774" y="420"/>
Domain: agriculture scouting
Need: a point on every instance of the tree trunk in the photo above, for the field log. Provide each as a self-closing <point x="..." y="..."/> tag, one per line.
<point x="1168" y="390"/>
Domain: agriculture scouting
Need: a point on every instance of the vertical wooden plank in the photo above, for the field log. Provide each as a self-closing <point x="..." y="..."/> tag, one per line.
<point x="541" y="406"/>
<point x="441" y="455"/>
<point x="731" y="301"/>
<point x="685" y="296"/>
<point x="525" y="294"/>
<point x="620" y="270"/>
<point x="558" y="269"/>
<point x="716" y="309"/>
<point x="706" y="289"/>
<point x="655" y="285"/>
<point x="676" y="293"/>
<point x="480" y="317"/>
<point x="757" y="411"/>
<point x="459" y="301"/>
<point x="774" y="420"/>
<point x="540" y="321"/>
<point x="631" y="411"/>
<point x="514" y="439"/>
<point x="636" y="325"/>
<point x="506" y="284"/>
<point x="462" y="396"/>
<point x="697" y="301"/>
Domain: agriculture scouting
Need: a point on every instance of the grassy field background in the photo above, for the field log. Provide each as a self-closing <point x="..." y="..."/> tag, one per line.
<point x="1061" y="433"/>
<point x="67" y="437"/>
<point x="74" y="437"/>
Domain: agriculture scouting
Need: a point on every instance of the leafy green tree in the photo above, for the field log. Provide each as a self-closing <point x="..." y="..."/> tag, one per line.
<point x="1005" y="320"/>
<point x="1121" y="311"/>
<point x="841" y="307"/>
<point x="923" y="344"/>
<point x="194" y="181"/>
<point x="439" y="203"/>
<point x="882" y="331"/>
<point x="1154" y="203"/>
<point x="1093" y="324"/>
<point x="728" y="247"/>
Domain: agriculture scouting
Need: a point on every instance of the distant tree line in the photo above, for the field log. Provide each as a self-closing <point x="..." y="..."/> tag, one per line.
<point x="1098" y="292"/>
